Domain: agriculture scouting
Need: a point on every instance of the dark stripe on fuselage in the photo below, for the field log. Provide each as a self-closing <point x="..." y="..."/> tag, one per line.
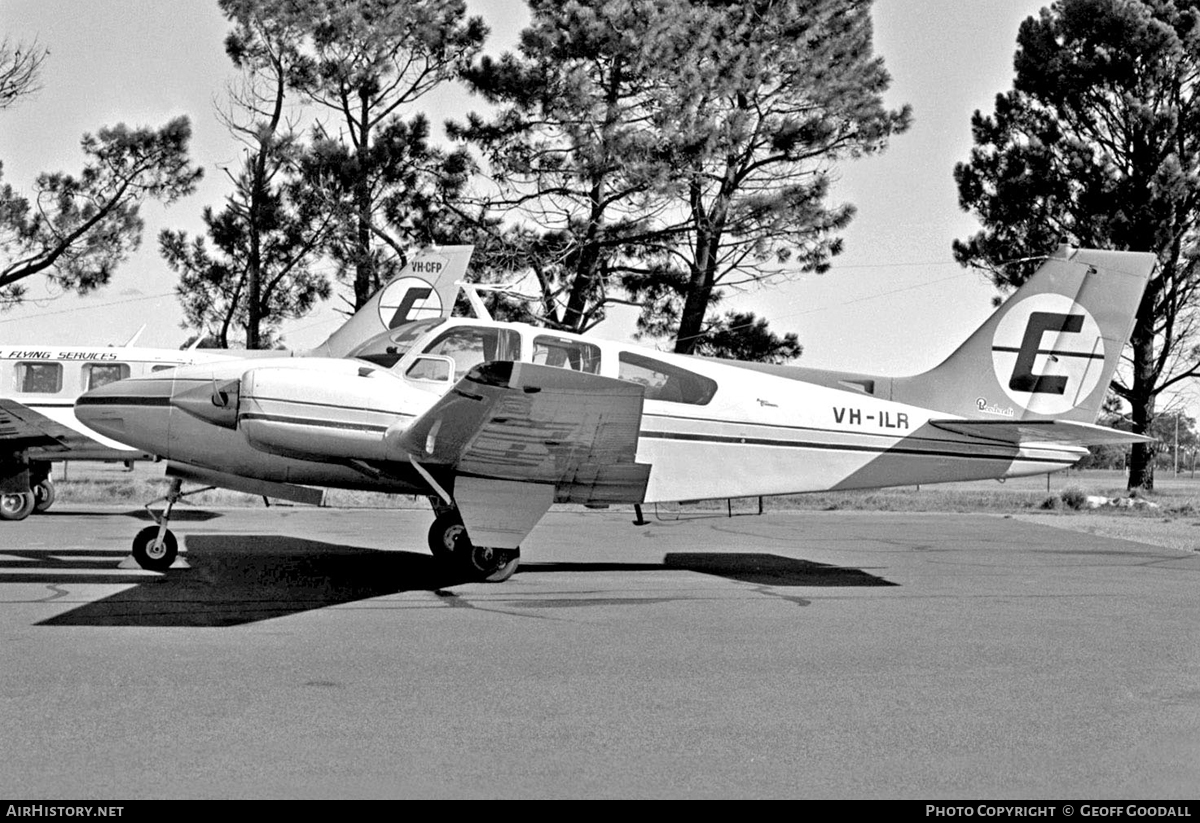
<point x="259" y="399"/>
<point x="309" y="421"/>
<point x="909" y="437"/>
<point x="842" y="447"/>
<point x="124" y="400"/>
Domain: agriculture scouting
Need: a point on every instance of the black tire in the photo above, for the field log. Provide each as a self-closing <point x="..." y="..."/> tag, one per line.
<point x="152" y="555"/>
<point x="492" y="565"/>
<point x="16" y="506"/>
<point x="448" y="537"/>
<point x="43" y="495"/>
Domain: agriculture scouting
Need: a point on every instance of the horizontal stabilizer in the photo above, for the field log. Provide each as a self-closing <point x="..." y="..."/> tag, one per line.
<point x="1041" y="431"/>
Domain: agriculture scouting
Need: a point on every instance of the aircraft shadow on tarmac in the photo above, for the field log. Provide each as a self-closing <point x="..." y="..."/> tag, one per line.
<point x="181" y="516"/>
<point x="239" y="579"/>
<point x="761" y="569"/>
<point x="178" y="516"/>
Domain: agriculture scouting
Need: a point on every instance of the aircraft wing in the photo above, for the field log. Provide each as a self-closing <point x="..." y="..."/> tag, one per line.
<point x="538" y="424"/>
<point x="22" y="427"/>
<point x="1041" y="431"/>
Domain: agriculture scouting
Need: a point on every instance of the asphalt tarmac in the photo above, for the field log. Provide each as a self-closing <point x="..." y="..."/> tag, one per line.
<point x="319" y="653"/>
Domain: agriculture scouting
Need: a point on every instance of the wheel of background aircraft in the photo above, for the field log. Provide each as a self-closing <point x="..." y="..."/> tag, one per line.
<point x="446" y="536"/>
<point x="493" y="565"/>
<point x="43" y="495"/>
<point x="16" y="506"/>
<point x="154" y="555"/>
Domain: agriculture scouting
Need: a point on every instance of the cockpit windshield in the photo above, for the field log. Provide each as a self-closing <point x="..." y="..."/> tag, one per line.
<point x="387" y="348"/>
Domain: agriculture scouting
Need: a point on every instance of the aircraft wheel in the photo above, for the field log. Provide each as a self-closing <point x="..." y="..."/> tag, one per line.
<point x="493" y="565"/>
<point x="447" y="537"/>
<point x="16" y="506"/>
<point x="43" y="495"/>
<point x="153" y="554"/>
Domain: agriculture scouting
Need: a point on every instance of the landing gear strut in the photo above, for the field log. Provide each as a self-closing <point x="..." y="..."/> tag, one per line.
<point x="449" y="543"/>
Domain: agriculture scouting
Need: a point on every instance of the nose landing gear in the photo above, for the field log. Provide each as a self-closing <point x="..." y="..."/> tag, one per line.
<point x="155" y="547"/>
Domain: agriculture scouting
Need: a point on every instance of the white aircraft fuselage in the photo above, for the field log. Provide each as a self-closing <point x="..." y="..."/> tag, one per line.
<point x="745" y="433"/>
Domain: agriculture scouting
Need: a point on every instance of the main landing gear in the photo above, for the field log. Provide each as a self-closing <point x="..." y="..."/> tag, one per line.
<point x="37" y="493"/>
<point x="450" y="544"/>
<point x="17" y="505"/>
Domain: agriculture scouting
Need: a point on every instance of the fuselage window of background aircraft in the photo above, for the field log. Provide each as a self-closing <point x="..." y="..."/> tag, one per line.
<point x="566" y="354"/>
<point x="96" y="375"/>
<point x="469" y="346"/>
<point x="664" y="381"/>
<point x="39" y="378"/>
<point x="387" y="348"/>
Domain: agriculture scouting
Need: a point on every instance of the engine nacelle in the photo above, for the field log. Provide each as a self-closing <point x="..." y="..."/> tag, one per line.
<point x="321" y="414"/>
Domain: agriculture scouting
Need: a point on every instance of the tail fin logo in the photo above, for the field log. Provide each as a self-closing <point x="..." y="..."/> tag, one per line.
<point x="408" y="298"/>
<point x="1048" y="353"/>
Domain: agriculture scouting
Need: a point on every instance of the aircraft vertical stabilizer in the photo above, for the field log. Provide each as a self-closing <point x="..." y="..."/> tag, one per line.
<point x="1050" y="351"/>
<point x="425" y="288"/>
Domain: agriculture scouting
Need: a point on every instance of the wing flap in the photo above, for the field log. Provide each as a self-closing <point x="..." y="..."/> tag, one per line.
<point x="538" y="424"/>
<point x="1041" y="431"/>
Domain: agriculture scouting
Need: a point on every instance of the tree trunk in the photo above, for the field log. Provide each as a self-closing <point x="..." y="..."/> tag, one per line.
<point x="700" y="284"/>
<point x="1142" y="398"/>
<point x="364" y="264"/>
<point x="691" y="319"/>
<point x="254" y="264"/>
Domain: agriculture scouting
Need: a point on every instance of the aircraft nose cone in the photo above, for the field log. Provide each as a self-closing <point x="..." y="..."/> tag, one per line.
<point x="134" y="412"/>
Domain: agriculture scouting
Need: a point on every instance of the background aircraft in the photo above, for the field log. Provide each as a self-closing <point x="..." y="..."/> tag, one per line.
<point x="497" y="421"/>
<point x="39" y="385"/>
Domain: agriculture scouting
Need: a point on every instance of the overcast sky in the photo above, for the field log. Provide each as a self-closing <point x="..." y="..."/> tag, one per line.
<point x="895" y="303"/>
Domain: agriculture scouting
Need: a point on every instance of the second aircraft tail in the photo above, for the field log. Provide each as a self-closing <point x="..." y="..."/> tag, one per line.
<point x="425" y="288"/>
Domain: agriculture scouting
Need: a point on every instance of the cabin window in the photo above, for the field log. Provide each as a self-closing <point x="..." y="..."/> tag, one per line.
<point x="96" y="375"/>
<point x="387" y="348"/>
<point x="431" y="368"/>
<point x="664" y="381"/>
<point x="163" y="368"/>
<point x="566" y="354"/>
<point x="468" y="346"/>
<point x="39" y="378"/>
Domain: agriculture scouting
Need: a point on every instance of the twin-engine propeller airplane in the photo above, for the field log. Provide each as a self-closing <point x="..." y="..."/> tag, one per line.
<point x="494" y="422"/>
<point x="39" y="384"/>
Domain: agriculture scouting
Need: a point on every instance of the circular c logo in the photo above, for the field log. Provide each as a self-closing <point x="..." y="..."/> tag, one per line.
<point x="408" y="298"/>
<point x="1048" y="353"/>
